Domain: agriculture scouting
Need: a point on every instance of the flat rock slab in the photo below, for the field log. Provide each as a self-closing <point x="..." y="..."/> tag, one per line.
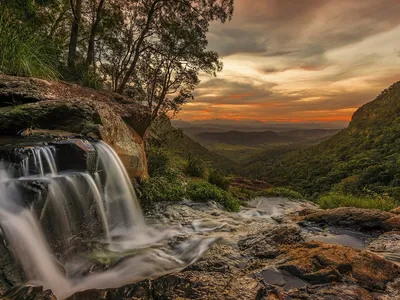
<point x="364" y="219"/>
<point x="319" y="263"/>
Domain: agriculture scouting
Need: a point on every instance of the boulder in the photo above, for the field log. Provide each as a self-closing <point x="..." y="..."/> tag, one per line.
<point x="31" y="106"/>
<point x="364" y="219"/>
<point x="320" y="263"/>
<point x="266" y="244"/>
<point x="329" y="292"/>
<point x="392" y="224"/>
<point x="396" y="211"/>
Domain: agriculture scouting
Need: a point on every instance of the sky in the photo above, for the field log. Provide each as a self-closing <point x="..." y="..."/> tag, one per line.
<point x="300" y="60"/>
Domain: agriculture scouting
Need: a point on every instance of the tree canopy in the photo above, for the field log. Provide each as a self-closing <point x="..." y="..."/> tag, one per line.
<point x="151" y="50"/>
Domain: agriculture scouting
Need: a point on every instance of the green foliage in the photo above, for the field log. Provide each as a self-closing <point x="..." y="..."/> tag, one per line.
<point x="334" y="199"/>
<point x="363" y="157"/>
<point x="195" y="167"/>
<point x="203" y="191"/>
<point x="161" y="189"/>
<point x="26" y="54"/>
<point x="280" y="192"/>
<point x="217" y="178"/>
<point x="158" y="161"/>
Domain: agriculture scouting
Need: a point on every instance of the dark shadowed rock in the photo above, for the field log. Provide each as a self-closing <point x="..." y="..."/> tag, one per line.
<point x="29" y="293"/>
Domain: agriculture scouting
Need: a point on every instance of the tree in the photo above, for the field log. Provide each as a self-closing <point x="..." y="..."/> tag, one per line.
<point x="160" y="49"/>
<point x="76" y="8"/>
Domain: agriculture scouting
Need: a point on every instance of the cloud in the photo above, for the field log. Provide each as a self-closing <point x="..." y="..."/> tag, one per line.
<point x="300" y="60"/>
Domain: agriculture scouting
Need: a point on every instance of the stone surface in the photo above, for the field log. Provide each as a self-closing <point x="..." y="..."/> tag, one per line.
<point x="266" y="244"/>
<point x="396" y="211"/>
<point x="86" y="117"/>
<point x="364" y="219"/>
<point x="319" y="263"/>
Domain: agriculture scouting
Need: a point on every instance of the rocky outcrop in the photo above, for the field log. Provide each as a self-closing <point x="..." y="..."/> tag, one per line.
<point x="359" y="218"/>
<point x="320" y="263"/>
<point x="33" y="106"/>
<point x="266" y="244"/>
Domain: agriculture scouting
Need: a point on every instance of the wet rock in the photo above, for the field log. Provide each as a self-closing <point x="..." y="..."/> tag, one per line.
<point x="283" y="279"/>
<point x="365" y="219"/>
<point x="200" y="285"/>
<point x="319" y="263"/>
<point x="11" y="274"/>
<point x="266" y="244"/>
<point x="43" y="105"/>
<point x="29" y="293"/>
<point x="329" y="292"/>
<point x="75" y="154"/>
<point x="392" y="223"/>
<point x="387" y="245"/>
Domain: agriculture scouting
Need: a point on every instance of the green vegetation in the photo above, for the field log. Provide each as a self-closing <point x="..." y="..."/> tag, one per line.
<point x="162" y="189"/>
<point x="150" y="50"/>
<point x="363" y="158"/>
<point x="24" y="54"/>
<point x="217" y="178"/>
<point x="333" y="200"/>
<point x="203" y="191"/>
<point x="195" y="167"/>
<point x="170" y="181"/>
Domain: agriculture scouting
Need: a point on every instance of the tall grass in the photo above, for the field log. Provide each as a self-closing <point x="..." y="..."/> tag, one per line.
<point x="25" y="54"/>
<point x="333" y="200"/>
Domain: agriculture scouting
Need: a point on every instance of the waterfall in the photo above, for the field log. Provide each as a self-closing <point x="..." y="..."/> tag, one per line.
<point x="53" y="238"/>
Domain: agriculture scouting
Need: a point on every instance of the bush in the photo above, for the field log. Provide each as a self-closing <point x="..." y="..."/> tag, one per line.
<point x="195" y="167"/>
<point x="333" y="200"/>
<point x="24" y="54"/>
<point x="158" y="161"/>
<point x="280" y="192"/>
<point x="161" y="189"/>
<point x="204" y="191"/>
<point x="216" y="178"/>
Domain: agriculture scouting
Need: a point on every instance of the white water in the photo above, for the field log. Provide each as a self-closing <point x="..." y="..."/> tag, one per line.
<point x="82" y="209"/>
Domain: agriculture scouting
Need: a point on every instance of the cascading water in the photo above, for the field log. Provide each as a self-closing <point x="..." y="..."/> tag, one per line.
<point x="81" y="216"/>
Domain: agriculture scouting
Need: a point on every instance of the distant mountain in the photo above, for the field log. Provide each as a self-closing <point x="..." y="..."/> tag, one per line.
<point x="364" y="156"/>
<point x="183" y="146"/>
<point x="261" y="138"/>
<point x="194" y="127"/>
<point x="242" y="138"/>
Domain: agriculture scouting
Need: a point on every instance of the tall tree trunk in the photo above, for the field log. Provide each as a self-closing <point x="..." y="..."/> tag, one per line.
<point x="93" y="31"/>
<point x="132" y="67"/>
<point x="73" y="42"/>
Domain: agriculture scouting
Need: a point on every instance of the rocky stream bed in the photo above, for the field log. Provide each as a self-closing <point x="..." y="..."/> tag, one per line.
<point x="274" y="249"/>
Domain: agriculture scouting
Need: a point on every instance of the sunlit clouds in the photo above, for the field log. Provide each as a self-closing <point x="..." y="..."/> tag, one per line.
<point x="310" y="60"/>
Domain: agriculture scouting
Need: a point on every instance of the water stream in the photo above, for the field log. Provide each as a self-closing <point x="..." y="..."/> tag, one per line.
<point x="85" y="217"/>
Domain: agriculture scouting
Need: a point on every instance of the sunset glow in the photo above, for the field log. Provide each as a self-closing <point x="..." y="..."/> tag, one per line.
<point x="301" y="61"/>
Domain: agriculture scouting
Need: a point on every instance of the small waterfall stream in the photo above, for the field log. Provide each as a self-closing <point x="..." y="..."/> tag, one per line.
<point x="84" y="215"/>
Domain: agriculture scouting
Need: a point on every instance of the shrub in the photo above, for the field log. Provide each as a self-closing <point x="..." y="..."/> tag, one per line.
<point x="333" y="200"/>
<point x="218" y="179"/>
<point x="195" y="167"/>
<point x="280" y="192"/>
<point x="161" y="189"/>
<point x="25" y="54"/>
<point x="203" y="191"/>
<point x="158" y="161"/>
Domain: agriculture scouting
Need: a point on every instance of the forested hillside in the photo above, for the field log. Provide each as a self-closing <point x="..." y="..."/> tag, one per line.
<point x="361" y="159"/>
